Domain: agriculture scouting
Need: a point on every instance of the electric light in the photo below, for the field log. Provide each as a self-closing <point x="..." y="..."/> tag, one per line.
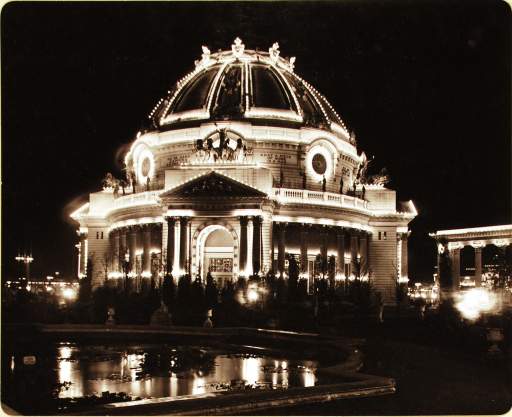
<point x="69" y="293"/>
<point x="274" y="114"/>
<point x="252" y="295"/>
<point x="472" y="303"/>
<point x="339" y="276"/>
<point x="146" y="274"/>
<point x="507" y="227"/>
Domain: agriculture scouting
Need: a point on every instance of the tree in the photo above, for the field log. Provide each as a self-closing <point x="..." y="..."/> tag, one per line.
<point x="211" y="292"/>
<point x="84" y="292"/>
<point x="107" y="262"/>
<point x="198" y="305"/>
<point x="168" y="291"/>
<point x="445" y="267"/>
<point x="320" y="265"/>
<point x="293" y="277"/>
<point x="331" y="270"/>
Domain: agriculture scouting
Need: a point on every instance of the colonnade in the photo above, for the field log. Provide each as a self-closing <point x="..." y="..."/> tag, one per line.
<point x="178" y="245"/>
<point x="250" y="245"/>
<point x="455" y="257"/>
<point x="124" y="243"/>
<point x="358" y="247"/>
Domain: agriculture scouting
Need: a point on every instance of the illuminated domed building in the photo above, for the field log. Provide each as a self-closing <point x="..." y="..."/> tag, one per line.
<point x="242" y="164"/>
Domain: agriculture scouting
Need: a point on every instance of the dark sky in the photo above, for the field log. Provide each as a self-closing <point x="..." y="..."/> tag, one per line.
<point x="424" y="84"/>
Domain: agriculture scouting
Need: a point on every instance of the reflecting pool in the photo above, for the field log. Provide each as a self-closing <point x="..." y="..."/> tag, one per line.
<point x="153" y="371"/>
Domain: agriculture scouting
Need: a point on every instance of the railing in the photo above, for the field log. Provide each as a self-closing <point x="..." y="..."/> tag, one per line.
<point x="287" y="195"/>
<point x="138" y="199"/>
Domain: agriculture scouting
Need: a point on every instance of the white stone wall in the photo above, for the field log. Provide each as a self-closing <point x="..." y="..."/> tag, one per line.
<point x="383" y="261"/>
<point x="99" y="253"/>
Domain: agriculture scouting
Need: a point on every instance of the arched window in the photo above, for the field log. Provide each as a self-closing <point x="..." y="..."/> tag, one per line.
<point x="467" y="261"/>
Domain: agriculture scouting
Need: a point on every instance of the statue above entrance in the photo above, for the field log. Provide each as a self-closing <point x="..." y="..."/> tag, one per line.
<point x="222" y="146"/>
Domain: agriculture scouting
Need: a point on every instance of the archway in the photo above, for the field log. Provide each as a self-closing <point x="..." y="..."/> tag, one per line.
<point x="216" y="253"/>
<point x="467" y="261"/>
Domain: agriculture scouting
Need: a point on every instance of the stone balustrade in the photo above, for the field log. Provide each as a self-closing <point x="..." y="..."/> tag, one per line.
<point x="288" y="195"/>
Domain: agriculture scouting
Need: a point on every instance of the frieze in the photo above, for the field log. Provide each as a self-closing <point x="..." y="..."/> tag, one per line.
<point x="272" y="158"/>
<point x="175" y="160"/>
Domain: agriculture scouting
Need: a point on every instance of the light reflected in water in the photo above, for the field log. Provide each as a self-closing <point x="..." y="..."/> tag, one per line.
<point x="251" y="370"/>
<point x="100" y="370"/>
<point x="308" y="377"/>
<point x="69" y="372"/>
<point x="199" y="385"/>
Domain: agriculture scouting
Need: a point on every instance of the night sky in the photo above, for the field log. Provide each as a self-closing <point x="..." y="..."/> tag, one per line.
<point x="425" y="86"/>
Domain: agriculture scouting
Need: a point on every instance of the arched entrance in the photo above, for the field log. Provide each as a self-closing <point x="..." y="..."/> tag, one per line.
<point x="215" y="248"/>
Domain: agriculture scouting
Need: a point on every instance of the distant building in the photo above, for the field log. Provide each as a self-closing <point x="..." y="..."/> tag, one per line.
<point x="241" y="164"/>
<point x="474" y="252"/>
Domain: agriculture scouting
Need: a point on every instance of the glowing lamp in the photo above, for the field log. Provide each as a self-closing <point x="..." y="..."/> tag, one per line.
<point x="69" y="293"/>
<point x="472" y="303"/>
<point x="252" y="295"/>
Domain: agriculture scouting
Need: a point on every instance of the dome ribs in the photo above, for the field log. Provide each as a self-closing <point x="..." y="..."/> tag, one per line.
<point x="260" y="87"/>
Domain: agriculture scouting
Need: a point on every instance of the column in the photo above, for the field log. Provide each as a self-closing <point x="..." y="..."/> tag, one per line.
<point x="132" y="247"/>
<point x="83" y="254"/>
<point x="438" y="263"/>
<point x="281" y="248"/>
<point x="256" y="251"/>
<point x="304" y="248"/>
<point x="171" y="221"/>
<point x="116" y="266"/>
<point x="340" y="240"/>
<point x="323" y="251"/>
<point x="243" y="246"/>
<point x="146" y="247"/>
<point x="354" y="249"/>
<point x="404" y="272"/>
<point x="266" y="244"/>
<point x="250" y="237"/>
<point x="183" y="244"/>
<point x="478" y="266"/>
<point x="363" y="252"/>
<point x="122" y="244"/>
<point x="455" y="257"/>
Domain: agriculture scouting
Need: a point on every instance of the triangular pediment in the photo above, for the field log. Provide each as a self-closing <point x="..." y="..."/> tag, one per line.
<point x="213" y="185"/>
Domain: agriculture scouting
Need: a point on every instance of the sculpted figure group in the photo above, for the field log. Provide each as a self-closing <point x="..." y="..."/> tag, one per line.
<point x="207" y="153"/>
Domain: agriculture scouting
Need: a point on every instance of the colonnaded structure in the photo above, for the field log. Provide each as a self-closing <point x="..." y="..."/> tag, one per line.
<point x="242" y="164"/>
<point x="466" y="249"/>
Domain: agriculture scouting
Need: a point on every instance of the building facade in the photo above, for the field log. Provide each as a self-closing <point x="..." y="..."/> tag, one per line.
<point x="473" y="253"/>
<point x="242" y="164"/>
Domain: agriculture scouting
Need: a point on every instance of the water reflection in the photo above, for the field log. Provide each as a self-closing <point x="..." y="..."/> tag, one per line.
<point x="163" y="371"/>
<point x="251" y="370"/>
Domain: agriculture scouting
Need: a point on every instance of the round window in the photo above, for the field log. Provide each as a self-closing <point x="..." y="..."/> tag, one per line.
<point x="319" y="164"/>
<point x="146" y="164"/>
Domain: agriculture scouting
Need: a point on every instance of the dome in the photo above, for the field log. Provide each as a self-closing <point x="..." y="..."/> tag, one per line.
<point x="249" y="85"/>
